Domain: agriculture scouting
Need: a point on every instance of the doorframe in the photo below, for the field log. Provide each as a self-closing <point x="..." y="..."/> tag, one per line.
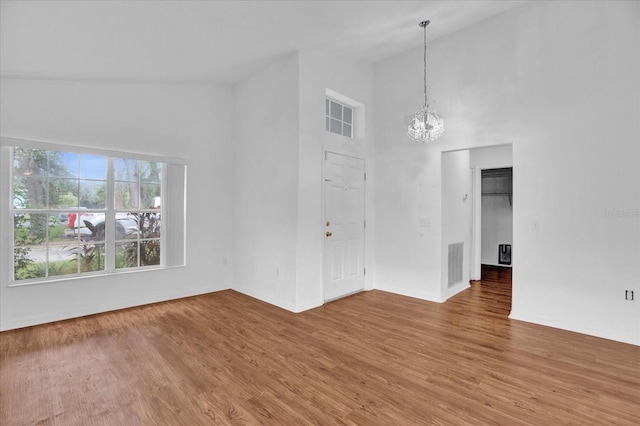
<point x="326" y="151"/>
<point x="475" y="269"/>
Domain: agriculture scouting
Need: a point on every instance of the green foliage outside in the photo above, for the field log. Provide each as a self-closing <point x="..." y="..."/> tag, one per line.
<point x="146" y="252"/>
<point x="24" y="236"/>
<point x="41" y="180"/>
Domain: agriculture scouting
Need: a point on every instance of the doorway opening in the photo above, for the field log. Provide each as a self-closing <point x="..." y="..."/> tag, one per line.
<point x="462" y="216"/>
<point x="496" y="224"/>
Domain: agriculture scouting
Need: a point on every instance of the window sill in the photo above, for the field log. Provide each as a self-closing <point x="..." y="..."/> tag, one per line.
<point x="88" y="275"/>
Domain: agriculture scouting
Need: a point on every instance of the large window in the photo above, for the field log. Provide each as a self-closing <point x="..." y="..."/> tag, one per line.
<point x="86" y="213"/>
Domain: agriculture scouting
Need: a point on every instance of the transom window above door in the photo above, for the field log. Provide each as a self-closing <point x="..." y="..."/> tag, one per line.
<point x="339" y="118"/>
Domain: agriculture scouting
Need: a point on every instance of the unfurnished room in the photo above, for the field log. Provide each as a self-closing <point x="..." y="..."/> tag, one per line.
<point x="320" y="212"/>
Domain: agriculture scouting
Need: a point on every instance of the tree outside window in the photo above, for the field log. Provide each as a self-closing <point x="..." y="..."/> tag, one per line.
<point x="63" y="210"/>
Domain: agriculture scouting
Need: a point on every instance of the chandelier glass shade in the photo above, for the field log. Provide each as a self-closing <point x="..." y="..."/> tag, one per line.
<point x="425" y="126"/>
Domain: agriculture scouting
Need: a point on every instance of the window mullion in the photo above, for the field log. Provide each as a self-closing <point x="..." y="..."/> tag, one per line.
<point x="110" y="220"/>
<point x="163" y="197"/>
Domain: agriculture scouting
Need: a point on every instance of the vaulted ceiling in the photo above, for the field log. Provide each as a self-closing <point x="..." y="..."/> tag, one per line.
<point x="211" y="41"/>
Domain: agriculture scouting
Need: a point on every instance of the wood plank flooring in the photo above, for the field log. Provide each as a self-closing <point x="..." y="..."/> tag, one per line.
<point x="497" y="274"/>
<point x="370" y="359"/>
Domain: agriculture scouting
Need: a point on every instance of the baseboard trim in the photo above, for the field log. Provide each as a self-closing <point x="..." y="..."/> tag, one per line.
<point x="576" y="328"/>
<point x="452" y="291"/>
<point x="410" y="293"/>
<point x="61" y="316"/>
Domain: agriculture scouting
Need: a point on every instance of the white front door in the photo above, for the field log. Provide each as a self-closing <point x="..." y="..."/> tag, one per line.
<point x="344" y="224"/>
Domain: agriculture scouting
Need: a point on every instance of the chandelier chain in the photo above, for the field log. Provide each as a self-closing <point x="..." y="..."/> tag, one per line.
<point x="425" y="65"/>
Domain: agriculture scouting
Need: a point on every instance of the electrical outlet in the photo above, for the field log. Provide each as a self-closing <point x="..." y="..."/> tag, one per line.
<point x="628" y="294"/>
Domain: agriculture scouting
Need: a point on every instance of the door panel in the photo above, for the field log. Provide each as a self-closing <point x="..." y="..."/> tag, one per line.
<point x="344" y="213"/>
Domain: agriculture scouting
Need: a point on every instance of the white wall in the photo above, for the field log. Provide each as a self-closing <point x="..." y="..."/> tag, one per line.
<point x="265" y="183"/>
<point x="278" y="232"/>
<point x="190" y="122"/>
<point x="408" y="256"/>
<point x="558" y="80"/>
<point x="319" y="71"/>
<point x="456" y="216"/>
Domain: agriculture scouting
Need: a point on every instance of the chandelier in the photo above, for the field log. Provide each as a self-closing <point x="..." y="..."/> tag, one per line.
<point x="425" y="126"/>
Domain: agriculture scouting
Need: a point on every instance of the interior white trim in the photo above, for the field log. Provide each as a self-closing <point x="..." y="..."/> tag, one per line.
<point x="54" y="146"/>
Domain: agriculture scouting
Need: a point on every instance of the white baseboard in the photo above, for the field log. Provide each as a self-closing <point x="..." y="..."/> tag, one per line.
<point x="576" y="328"/>
<point x="301" y="307"/>
<point x="431" y="297"/>
<point x="452" y="291"/>
<point x="265" y="297"/>
<point x="283" y="304"/>
<point x="48" y="317"/>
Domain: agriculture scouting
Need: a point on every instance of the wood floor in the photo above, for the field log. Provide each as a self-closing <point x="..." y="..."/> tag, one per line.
<point x="371" y="359"/>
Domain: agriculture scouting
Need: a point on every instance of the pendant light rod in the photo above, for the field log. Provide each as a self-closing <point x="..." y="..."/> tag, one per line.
<point x="424" y="24"/>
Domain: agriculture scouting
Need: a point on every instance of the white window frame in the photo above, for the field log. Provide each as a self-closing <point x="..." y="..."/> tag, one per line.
<point x="8" y="210"/>
<point x="357" y="117"/>
<point x="329" y="102"/>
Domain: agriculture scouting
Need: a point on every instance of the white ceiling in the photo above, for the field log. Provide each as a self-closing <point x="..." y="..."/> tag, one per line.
<point x="211" y="41"/>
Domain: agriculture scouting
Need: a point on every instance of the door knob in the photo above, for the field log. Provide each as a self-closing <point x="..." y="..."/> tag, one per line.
<point x="328" y="234"/>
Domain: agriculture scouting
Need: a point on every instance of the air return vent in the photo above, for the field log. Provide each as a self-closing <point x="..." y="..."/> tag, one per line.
<point x="455" y="263"/>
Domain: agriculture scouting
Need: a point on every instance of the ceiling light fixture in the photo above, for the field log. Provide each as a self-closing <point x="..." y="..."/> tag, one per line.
<point x="425" y="126"/>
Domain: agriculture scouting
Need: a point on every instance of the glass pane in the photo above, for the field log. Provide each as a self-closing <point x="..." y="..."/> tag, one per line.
<point x="126" y="255"/>
<point x="19" y="198"/>
<point x="30" y="192"/>
<point x="148" y="194"/>
<point x="149" y="225"/>
<point x="63" y="194"/>
<point x="29" y="229"/>
<point x="63" y="164"/>
<point x="335" y="127"/>
<point x="126" y="195"/>
<point x="91" y="257"/>
<point x="327" y="124"/>
<point x="96" y="227"/>
<point x="62" y="254"/>
<point x="77" y="225"/>
<point x="348" y="115"/>
<point x="70" y="232"/>
<point x="28" y="264"/>
<point x="326" y="107"/>
<point x="346" y="130"/>
<point x="20" y="192"/>
<point x="125" y="169"/>
<point x="57" y="224"/>
<point x="149" y="252"/>
<point x="336" y="110"/>
<point x="150" y="171"/>
<point x="93" y="167"/>
<point x="29" y="162"/>
<point x="93" y="194"/>
<point x="126" y="226"/>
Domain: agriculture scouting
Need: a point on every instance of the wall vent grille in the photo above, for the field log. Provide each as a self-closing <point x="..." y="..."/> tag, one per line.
<point x="455" y="263"/>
